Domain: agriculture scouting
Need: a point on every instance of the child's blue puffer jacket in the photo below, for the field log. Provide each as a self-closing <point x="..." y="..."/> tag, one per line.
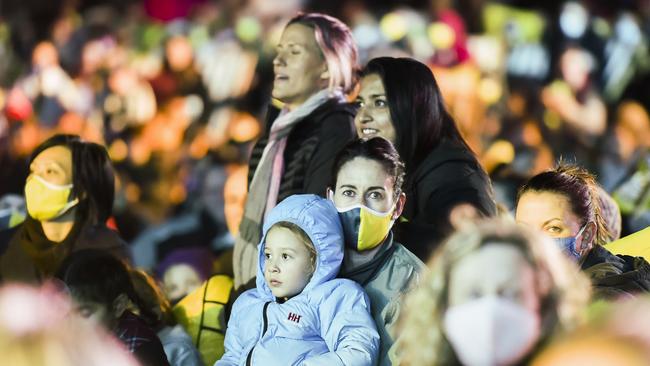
<point x="329" y="323"/>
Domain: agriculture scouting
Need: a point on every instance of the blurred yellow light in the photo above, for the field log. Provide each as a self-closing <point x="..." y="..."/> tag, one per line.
<point x="441" y="35"/>
<point x="502" y="151"/>
<point x="112" y="104"/>
<point x="561" y="87"/>
<point x="140" y="152"/>
<point x="132" y="192"/>
<point x="531" y="134"/>
<point x="394" y="26"/>
<point x="248" y="29"/>
<point x="199" y="146"/>
<point x="177" y="194"/>
<point x="118" y="150"/>
<point x="489" y="91"/>
<point x="244" y="128"/>
<point x="552" y="120"/>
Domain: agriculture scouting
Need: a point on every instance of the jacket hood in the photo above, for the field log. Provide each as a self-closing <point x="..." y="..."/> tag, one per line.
<point x="318" y="218"/>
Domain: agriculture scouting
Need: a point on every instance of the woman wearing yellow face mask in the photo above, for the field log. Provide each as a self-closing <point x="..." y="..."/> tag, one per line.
<point x="367" y="192"/>
<point x="69" y="196"/>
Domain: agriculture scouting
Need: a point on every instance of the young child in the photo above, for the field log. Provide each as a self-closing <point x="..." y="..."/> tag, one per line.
<point x="300" y="313"/>
<point x="102" y="290"/>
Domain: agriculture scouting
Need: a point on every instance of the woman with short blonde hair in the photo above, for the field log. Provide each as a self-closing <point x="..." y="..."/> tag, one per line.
<point x="538" y="291"/>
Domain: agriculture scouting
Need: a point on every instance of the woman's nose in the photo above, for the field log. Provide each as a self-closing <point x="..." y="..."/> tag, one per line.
<point x="278" y="60"/>
<point x="363" y="116"/>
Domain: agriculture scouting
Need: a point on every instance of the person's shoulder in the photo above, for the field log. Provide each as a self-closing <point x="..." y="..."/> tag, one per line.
<point x="456" y="166"/>
<point x="333" y="289"/>
<point x="7" y="237"/>
<point x="448" y="155"/>
<point x="341" y="285"/>
<point x="334" y="293"/>
<point x="403" y="268"/>
<point x="334" y="112"/>
<point x="334" y="106"/>
<point x="103" y="238"/>
<point x="404" y="257"/>
<point x="248" y="297"/>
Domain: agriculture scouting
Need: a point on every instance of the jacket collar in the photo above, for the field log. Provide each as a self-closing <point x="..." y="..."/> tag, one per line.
<point x="365" y="271"/>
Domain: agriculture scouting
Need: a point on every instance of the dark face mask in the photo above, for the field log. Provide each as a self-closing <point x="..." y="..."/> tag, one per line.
<point x="351" y="220"/>
<point x="364" y="228"/>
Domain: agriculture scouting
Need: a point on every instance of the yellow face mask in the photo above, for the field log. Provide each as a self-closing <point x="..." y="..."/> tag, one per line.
<point x="45" y="200"/>
<point x="365" y="228"/>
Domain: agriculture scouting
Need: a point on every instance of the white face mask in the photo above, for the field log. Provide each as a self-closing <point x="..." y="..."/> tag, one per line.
<point x="491" y="331"/>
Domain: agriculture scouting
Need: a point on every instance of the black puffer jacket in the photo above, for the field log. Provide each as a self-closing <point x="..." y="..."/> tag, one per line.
<point x="311" y="148"/>
<point x="613" y="276"/>
<point x="450" y="175"/>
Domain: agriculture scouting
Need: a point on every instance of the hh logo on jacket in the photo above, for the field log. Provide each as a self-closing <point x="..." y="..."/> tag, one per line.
<point x="294" y="317"/>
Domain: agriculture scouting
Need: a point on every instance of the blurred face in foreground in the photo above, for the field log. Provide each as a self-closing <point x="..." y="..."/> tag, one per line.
<point x="493" y="306"/>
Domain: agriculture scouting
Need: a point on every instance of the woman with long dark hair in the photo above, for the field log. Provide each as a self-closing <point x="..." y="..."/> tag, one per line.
<point x="69" y="196"/>
<point x="400" y="101"/>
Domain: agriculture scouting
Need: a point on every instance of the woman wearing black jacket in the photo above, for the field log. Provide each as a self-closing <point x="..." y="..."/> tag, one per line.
<point x="314" y="67"/>
<point x="563" y="203"/>
<point x="69" y="196"/>
<point x="400" y="101"/>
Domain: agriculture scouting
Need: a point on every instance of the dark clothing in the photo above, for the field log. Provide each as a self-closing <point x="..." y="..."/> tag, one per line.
<point x="448" y="176"/>
<point x="31" y="257"/>
<point x="140" y="340"/>
<point x="613" y="276"/>
<point x="311" y="147"/>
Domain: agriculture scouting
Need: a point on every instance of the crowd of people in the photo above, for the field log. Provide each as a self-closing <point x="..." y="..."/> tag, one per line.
<point x="199" y="183"/>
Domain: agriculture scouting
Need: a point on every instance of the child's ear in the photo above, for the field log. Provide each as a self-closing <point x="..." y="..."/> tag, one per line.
<point x="120" y="304"/>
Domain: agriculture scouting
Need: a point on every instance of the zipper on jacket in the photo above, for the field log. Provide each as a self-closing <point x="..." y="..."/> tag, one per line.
<point x="266" y="324"/>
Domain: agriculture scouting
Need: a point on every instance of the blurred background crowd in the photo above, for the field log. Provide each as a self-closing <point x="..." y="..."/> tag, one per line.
<point x="177" y="91"/>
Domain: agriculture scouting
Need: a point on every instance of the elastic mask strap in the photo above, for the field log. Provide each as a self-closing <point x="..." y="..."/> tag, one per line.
<point x="52" y="186"/>
<point x="580" y="232"/>
<point x="376" y="213"/>
<point x="68" y="206"/>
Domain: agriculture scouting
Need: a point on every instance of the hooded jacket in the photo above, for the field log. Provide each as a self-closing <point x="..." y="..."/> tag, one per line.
<point x="613" y="276"/>
<point x="328" y="323"/>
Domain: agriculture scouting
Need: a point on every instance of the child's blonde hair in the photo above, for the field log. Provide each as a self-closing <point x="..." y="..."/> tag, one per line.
<point x="304" y="238"/>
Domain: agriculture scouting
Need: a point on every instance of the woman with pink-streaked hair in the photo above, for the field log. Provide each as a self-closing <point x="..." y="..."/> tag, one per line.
<point x="314" y="68"/>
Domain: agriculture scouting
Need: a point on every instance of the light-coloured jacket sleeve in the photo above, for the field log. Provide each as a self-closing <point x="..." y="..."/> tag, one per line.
<point x="347" y="328"/>
<point x="232" y="344"/>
